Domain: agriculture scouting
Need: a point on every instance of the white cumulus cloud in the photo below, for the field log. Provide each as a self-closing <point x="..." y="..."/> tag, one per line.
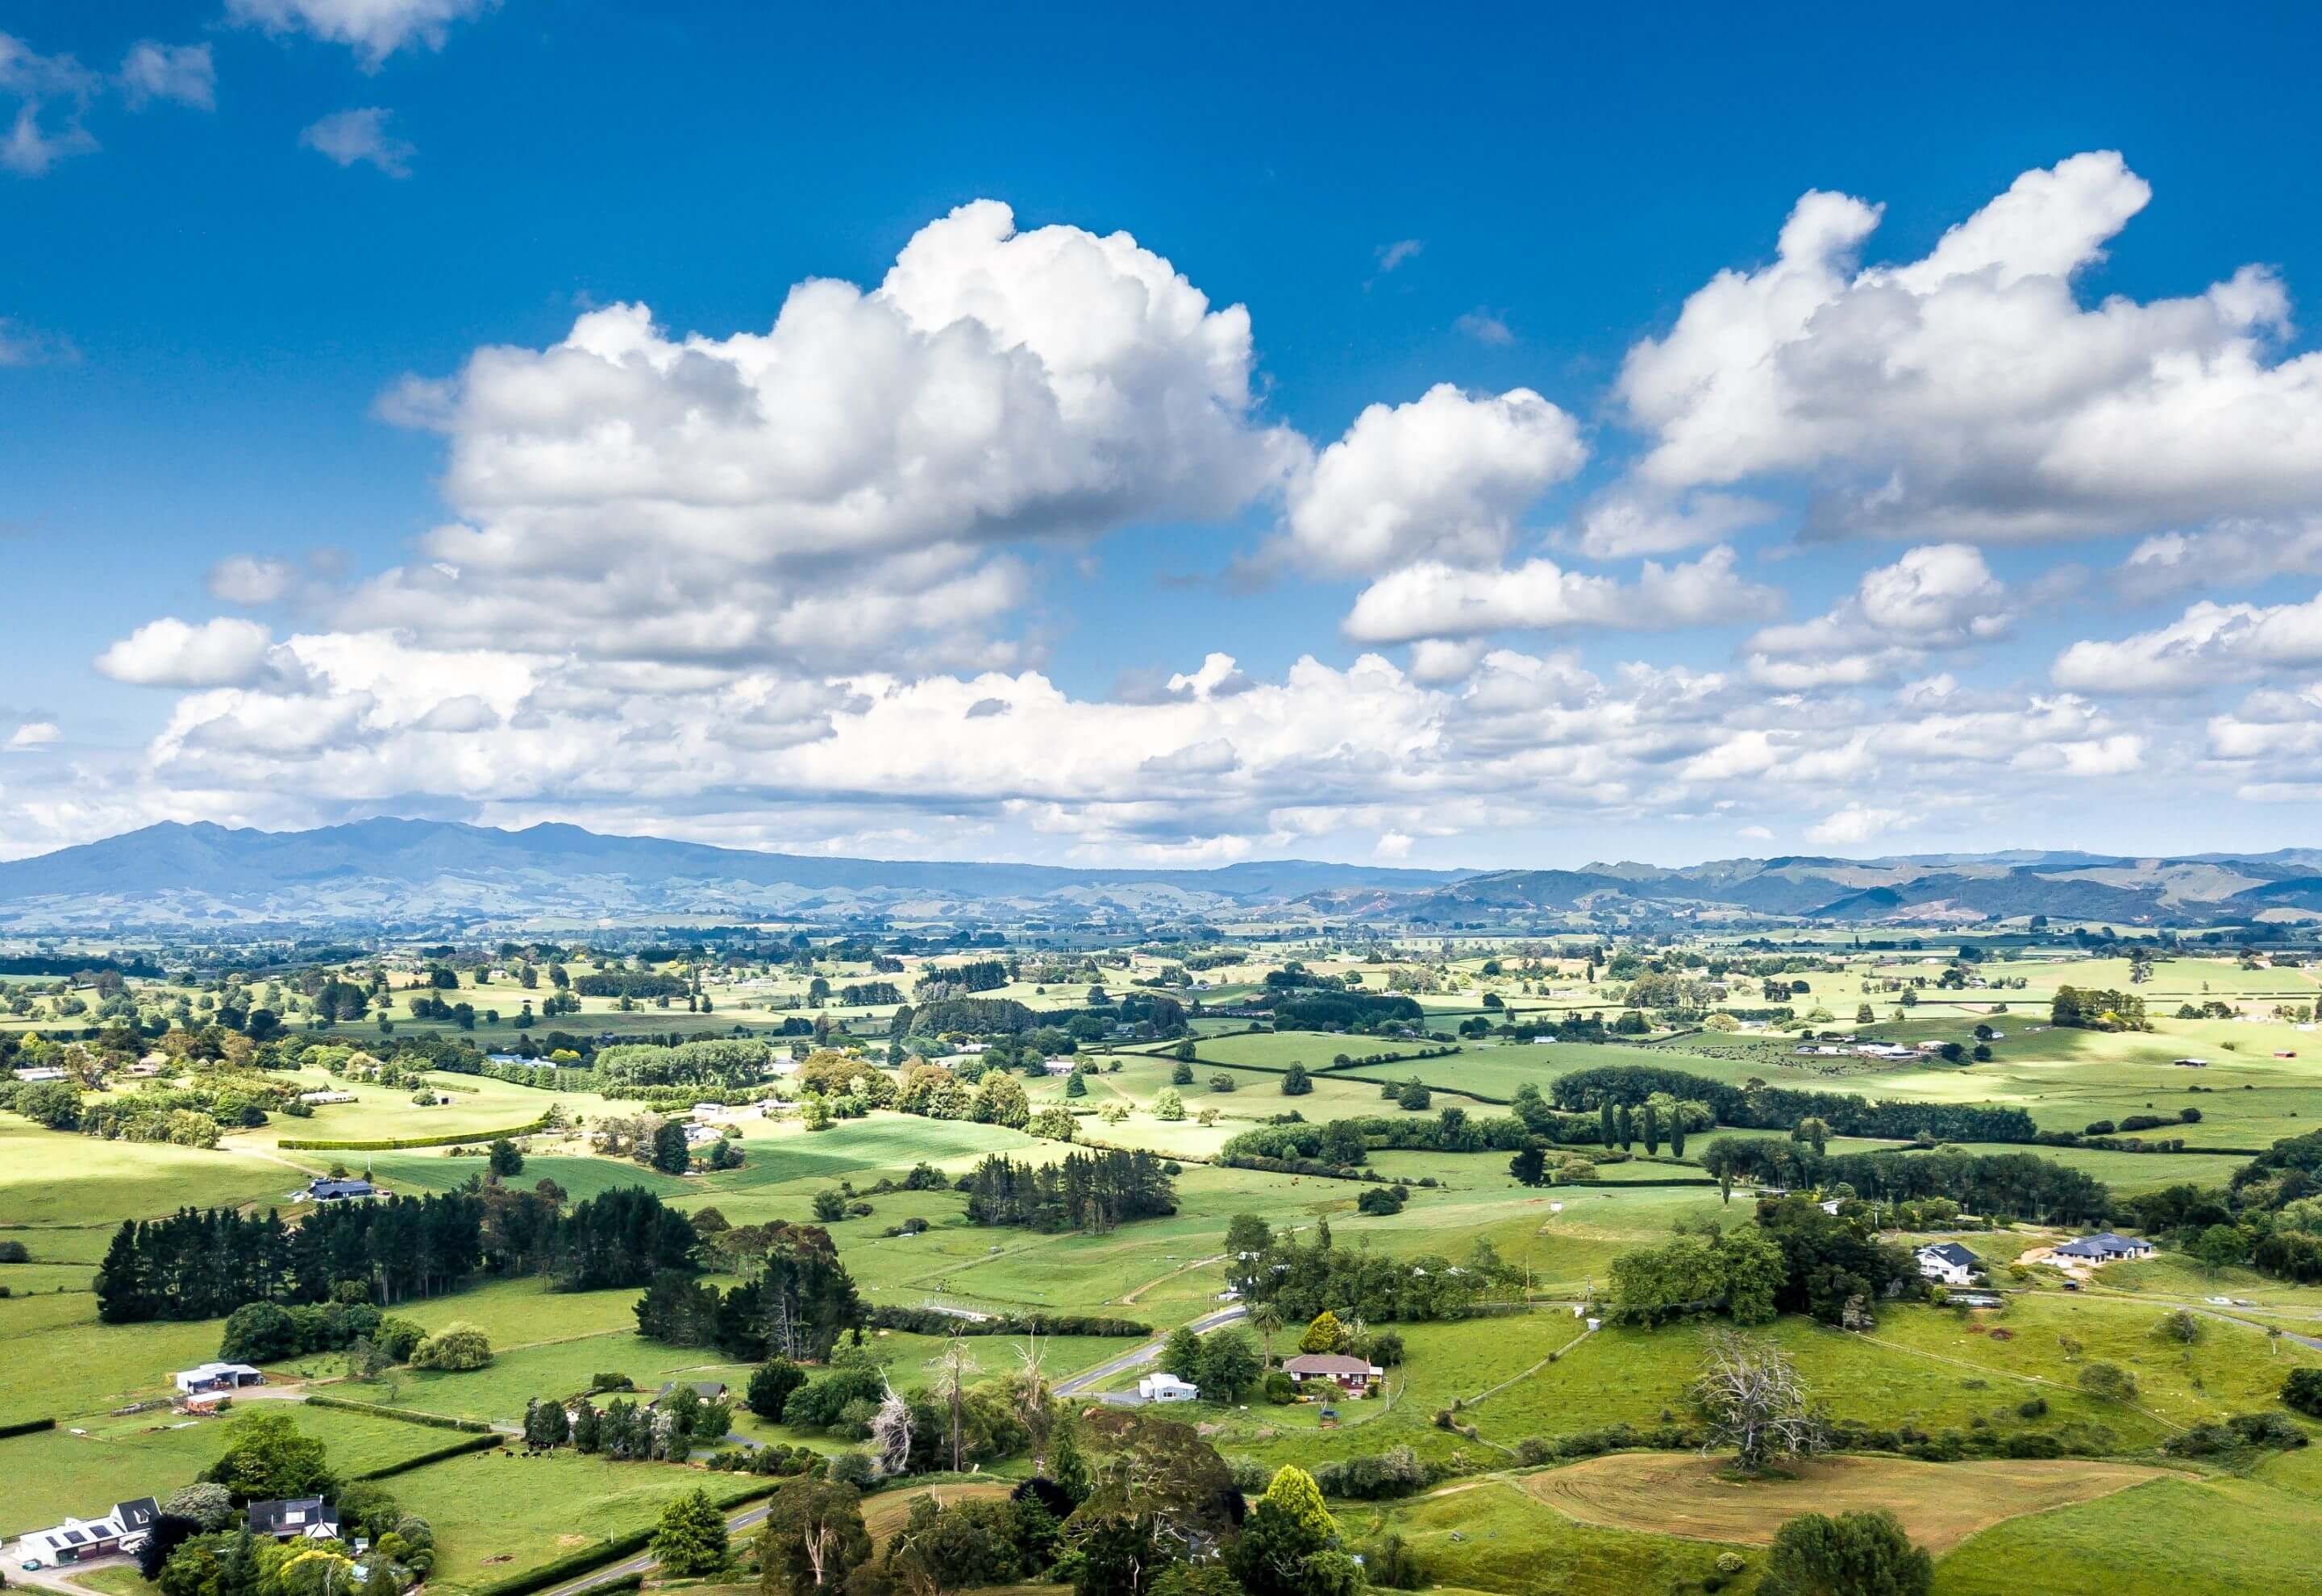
<point x="1969" y="395"/>
<point x="374" y="28"/>
<point x="1444" y="478"/>
<point x="170" y="652"/>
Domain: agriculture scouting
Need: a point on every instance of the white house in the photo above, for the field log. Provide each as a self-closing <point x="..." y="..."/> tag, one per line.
<point x="1059" y="1066"/>
<point x="43" y="1072"/>
<point x="1949" y="1263"/>
<point x="123" y="1529"/>
<point x="1165" y="1388"/>
<point x="216" y="1377"/>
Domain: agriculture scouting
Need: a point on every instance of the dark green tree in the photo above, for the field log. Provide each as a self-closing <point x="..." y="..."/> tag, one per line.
<point x="1852" y="1554"/>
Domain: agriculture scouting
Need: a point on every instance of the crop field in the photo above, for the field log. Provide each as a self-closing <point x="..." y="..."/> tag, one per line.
<point x="1940" y="1504"/>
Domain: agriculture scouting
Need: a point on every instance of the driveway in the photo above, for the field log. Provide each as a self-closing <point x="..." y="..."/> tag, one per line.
<point x="55" y="1578"/>
<point x="1145" y="1354"/>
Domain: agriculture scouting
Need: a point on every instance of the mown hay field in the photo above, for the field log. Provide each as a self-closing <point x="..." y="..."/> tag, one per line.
<point x="1941" y="1504"/>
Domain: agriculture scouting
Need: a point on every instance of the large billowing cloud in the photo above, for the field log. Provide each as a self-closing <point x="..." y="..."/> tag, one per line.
<point x="1969" y="395"/>
<point x="698" y="495"/>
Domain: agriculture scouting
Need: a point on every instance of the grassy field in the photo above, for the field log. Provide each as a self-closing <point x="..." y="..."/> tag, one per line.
<point x="54" y="1178"/>
<point x="2224" y="1536"/>
<point x="59" y="1472"/>
<point x="496" y="1512"/>
<point x="1489" y="1534"/>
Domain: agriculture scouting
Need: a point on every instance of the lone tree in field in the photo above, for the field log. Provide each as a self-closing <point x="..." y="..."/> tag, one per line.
<point x="1749" y="1394"/>
<point x="1852" y="1554"/>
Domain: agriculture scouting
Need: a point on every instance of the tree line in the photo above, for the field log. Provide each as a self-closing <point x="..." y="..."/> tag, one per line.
<point x="1998" y="1185"/>
<point x="1087" y="1191"/>
<point x="1759" y="1107"/>
<point x="206" y="1262"/>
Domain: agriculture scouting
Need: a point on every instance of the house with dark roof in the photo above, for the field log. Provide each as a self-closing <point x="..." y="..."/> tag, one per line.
<point x="2104" y="1247"/>
<point x="1354" y="1376"/>
<point x="322" y="1189"/>
<point x="1949" y="1263"/>
<point x="709" y="1391"/>
<point x="306" y="1517"/>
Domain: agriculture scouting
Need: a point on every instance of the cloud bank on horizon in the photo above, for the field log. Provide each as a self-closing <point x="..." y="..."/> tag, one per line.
<point x="777" y="584"/>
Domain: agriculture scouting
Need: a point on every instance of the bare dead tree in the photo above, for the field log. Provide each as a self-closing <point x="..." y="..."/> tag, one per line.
<point x="1032" y="1394"/>
<point x="1748" y="1392"/>
<point x="953" y="1366"/>
<point x="891" y="1428"/>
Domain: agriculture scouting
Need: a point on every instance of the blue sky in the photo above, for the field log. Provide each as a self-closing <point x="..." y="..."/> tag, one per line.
<point x="1862" y="556"/>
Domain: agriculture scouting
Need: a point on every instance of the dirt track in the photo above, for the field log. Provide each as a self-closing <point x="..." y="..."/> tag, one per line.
<point x="1941" y="1504"/>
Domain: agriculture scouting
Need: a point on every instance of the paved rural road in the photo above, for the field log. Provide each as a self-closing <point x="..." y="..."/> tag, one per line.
<point x="1145" y="1354"/>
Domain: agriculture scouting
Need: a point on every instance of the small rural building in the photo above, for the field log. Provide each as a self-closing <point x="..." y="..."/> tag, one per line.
<point x="44" y="1073"/>
<point x="306" y="1517"/>
<point x="2104" y="1247"/>
<point x="327" y="1095"/>
<point x="1352" y="1375"/>
<point x="701" y="1136"/>
<point x="123" y="1529"/>
<point x="1949" y="1263"/>
<point x="322" y="1189"/>
<point x="1165" y="1388"/>
<point x="210" y="1377"/>
<point x="1059" y="1066"/>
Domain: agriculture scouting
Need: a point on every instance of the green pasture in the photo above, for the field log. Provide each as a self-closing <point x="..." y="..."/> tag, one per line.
<point x="62" y="1471"/>
<point x="62" y="1178"/>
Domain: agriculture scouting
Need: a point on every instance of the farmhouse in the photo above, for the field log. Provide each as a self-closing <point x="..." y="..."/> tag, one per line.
<point x="307" y="1517"/>
<point x="320" y="1098"/>
<point x="1949" y="1263"/>
<point x="1059" y="1066"/>
<point x="123" y="1529"/>
<point x="44" y="1073"/>
<point x="2104" y="1247"/>
<point x="323" y="1188"/>
<point x="709" y="1391"/>
<point x="1354" y="1376"/>
<point x="209" y="1377"/>
<point x="1165" y="1388"/>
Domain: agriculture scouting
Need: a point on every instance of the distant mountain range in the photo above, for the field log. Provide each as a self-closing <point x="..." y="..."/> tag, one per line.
<point x="1954" y="888"/>
<point x="430" y="872"/>
<point x="425" y="874"/>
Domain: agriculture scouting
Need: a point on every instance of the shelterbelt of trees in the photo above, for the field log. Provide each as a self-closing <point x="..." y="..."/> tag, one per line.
<point x="203" y="1263"/>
